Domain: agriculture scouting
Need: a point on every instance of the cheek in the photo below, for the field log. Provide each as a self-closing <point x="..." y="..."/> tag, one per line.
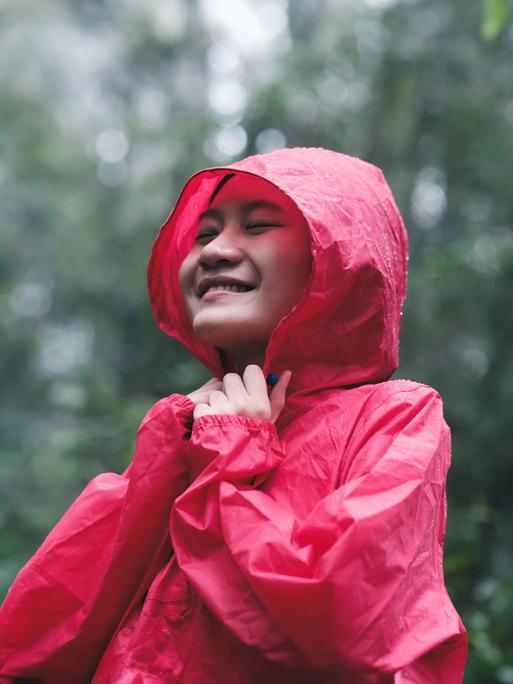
<point x="288" y="271"/>
<point x="301" y="256"/>
<point x="185" y="273"/>
<point x="294" y="259"/>
<point x="303" y="262"/>
<point x="186" y="281"/>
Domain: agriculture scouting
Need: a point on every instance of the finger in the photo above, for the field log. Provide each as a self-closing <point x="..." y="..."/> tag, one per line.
<point x="278" y="394"/>
<point x="201" y="410"/>
<point x="200" y="396"/>
<point x="214" y="384"/>
<point x="255" y="382"/>
<point x="256" y="386"/>
<point x="234" y="389"/>
<point x="218" y="401"/>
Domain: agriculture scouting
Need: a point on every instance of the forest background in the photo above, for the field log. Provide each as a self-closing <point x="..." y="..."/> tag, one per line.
<point x="106" y="108"/>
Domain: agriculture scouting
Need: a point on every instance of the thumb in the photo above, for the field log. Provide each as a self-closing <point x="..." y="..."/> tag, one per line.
<point x="277" y="396"/>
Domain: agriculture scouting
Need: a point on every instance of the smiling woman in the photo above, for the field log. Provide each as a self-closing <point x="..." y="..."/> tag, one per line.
<point x="247" y="269"/>
<point x="284" y="534"/>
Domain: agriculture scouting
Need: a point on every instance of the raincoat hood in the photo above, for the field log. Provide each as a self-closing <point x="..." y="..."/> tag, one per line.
<point x="345" y="329"/>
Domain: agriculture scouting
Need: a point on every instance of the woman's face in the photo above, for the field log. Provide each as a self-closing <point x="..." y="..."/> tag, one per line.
<point x="248" y="267"/>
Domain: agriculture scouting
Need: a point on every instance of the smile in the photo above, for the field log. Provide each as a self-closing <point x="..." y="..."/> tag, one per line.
<point x="230" y="288"/>
<point x="221" y="284"/>
<point x="219" y="290"/>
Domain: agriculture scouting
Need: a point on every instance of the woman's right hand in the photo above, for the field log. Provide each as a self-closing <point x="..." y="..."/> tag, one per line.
<point x="201" y="395"/>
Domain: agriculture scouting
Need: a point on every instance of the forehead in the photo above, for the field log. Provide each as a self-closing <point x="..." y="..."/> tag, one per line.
<point x="245" y="189"/>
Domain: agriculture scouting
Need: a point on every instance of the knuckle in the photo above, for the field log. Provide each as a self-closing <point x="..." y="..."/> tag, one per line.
<point x="261" y="411"/>
<point x="263" y="415"/>
<point x="240" y="407"/>
<point x="199" y="411"/>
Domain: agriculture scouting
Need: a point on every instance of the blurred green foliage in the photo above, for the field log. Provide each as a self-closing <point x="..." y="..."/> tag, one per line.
<point x="495" y="15"/>
<point x="106" y="107"/>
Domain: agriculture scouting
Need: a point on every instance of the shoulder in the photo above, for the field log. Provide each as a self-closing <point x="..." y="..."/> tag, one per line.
<point x="389" y="406"/>
<point x="401" y="420"/>
<point x="404" y="391"/>
<point x="401" y="406"/>
<point x="403" y="400"/>
<point x="368" y="399"/>
<point x="378" y="403"/>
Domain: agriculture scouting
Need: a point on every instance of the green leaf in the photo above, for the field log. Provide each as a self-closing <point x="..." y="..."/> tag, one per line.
<point x="495" y="16"/>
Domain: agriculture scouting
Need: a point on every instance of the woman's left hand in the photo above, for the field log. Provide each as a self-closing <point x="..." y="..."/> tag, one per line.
<point x="247" y="396"/>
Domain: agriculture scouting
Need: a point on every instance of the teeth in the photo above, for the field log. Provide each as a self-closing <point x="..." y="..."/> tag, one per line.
<point x="230" y="288"/>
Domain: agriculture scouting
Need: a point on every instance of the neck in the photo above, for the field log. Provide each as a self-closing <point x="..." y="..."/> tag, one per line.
<point x="246" y="356"/>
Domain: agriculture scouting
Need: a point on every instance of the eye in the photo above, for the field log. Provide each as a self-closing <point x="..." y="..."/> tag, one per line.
<point x="260" y="226"/>
<point x="206" y="235"/>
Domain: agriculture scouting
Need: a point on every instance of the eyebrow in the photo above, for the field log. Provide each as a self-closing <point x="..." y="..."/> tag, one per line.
<point x="247" y="208"/>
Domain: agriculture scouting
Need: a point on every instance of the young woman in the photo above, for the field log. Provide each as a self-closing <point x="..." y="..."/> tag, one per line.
<point x="284" y="522"/>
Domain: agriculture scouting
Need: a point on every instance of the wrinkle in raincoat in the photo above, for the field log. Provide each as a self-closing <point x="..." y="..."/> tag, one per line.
<point x="237" y="550"/>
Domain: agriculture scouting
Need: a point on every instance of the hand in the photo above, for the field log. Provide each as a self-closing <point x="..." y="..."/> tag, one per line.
<point x="247" y="396"/>
<point x="200" y="396"/>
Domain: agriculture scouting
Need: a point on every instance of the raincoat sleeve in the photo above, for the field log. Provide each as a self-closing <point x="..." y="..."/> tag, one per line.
<point x="66" y="602"/>
<point x="357" y="582"/>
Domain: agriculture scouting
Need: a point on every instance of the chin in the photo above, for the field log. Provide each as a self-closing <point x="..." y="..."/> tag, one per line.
<point x="225" y="333"/>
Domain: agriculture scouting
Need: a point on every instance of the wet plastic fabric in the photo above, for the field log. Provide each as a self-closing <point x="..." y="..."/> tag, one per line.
<point x="235" y="550"/>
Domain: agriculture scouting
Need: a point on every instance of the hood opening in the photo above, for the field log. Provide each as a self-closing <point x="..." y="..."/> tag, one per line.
<point x="345" y="329"/>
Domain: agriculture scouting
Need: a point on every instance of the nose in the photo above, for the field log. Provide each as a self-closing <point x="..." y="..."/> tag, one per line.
<point x="224" y="248"/>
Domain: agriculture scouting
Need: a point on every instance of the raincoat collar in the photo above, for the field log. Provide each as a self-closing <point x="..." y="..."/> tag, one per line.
<point x="345" y="329"/>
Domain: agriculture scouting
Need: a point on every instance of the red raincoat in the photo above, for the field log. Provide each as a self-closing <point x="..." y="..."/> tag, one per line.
<point x="235" y="550"/>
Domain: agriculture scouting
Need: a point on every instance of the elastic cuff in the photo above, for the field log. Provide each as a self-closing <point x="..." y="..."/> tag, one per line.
<point x="222" y="420"/>
<point x="181" y="407"/>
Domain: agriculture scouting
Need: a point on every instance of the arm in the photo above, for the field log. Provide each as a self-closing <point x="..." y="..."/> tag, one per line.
<point x="359" y="580"/>
<point x="67" y="601"/>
